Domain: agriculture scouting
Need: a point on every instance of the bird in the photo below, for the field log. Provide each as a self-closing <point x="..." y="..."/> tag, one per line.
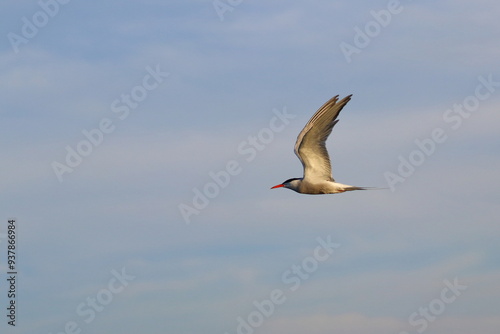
<point x="311" y="150"/>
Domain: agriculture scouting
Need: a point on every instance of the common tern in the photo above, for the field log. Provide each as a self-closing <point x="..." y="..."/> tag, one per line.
<point x="311" y="150"/>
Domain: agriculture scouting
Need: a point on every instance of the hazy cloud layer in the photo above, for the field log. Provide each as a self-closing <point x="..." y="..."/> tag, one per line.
<point x="114" y="115"/>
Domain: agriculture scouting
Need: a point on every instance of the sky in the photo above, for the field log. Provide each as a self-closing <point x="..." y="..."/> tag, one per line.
<point x="140" y="139"/>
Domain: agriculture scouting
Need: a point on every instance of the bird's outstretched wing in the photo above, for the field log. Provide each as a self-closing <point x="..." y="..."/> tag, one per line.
<point x="310" y="145"/>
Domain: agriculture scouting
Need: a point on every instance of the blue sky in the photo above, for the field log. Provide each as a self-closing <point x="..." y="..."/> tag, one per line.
<point x="154" y="98"/>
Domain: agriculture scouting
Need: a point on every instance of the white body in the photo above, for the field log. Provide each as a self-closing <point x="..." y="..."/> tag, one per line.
<point x="318" y="187"/>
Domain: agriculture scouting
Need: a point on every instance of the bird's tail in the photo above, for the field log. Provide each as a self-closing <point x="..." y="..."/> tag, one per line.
<point x="351" y="188"/>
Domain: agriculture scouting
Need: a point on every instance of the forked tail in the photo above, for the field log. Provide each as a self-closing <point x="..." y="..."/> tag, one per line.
<point x="351" y="188"/>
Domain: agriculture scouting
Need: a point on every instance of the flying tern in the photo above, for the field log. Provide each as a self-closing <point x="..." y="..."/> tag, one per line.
<point x="311" y="150"/>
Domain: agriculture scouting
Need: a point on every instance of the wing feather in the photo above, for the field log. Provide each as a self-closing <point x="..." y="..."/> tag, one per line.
<point x="310" y="146"/>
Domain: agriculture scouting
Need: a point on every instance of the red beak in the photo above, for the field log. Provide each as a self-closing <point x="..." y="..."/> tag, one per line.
<point x="278" y="186"/>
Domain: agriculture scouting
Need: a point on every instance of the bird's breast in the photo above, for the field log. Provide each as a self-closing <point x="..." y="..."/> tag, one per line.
<point x="319" y="187"/>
